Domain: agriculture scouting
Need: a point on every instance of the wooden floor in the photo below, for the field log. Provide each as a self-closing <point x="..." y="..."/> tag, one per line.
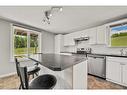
<point x="98" y="83"/>
<point x="12" y="82"/>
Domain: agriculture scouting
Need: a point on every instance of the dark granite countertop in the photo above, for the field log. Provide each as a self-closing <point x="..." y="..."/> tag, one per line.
<point x="57" y="62"/>
<point x="112" y="55"/>
<point x="69" y="52"/>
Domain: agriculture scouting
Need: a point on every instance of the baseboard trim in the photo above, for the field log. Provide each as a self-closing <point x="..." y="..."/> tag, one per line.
<point x="6" y="75"/>
<point x="117" y="82"/>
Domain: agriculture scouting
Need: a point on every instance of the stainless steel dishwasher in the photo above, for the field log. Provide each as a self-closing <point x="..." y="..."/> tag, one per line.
<point x="97" y="65"/>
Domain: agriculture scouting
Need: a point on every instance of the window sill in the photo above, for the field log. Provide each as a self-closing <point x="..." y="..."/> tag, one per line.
<point x="20" y="60"/>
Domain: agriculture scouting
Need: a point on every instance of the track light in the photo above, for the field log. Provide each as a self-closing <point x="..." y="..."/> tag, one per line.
<point x="49" y="13"/>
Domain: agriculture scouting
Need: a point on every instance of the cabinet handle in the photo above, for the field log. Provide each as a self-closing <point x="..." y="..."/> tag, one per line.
<point x="122" y="64"/>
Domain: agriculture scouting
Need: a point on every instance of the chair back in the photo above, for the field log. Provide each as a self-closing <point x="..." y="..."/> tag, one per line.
<point x="17" y="65"/>
<point x="23" y="77"/>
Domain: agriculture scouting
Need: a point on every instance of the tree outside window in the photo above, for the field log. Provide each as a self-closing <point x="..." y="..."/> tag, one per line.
<point x="25" y="42"/>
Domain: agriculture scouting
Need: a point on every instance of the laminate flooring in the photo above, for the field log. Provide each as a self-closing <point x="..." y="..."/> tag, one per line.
<point x="12" y="82"/>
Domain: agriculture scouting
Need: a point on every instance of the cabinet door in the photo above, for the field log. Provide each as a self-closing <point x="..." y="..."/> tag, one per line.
<point x="92" y="35"/>
<point x="101" y="34"/>
<point x="90" y="65"/>
<point x="80" y="75"/>
<point x="124" y="75"/>
<point x="69" y="40"/>
<point x="59" y="41"/>
<point x="113" y="71"/>
<point x="66" y="38"/>
<point x="77" y="34"/>
<point x="57" y="44"/>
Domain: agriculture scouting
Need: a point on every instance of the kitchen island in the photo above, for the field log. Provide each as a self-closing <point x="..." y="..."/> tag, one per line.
<point x="71" y="68"/>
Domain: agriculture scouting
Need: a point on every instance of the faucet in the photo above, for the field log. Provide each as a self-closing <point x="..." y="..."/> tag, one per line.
<point x="122" y="51"/>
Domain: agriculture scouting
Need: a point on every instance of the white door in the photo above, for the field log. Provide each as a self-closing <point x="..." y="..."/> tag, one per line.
<point x="113" y="71"/>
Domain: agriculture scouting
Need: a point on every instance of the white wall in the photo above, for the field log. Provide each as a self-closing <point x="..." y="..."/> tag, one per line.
<point x="6" y="67"/>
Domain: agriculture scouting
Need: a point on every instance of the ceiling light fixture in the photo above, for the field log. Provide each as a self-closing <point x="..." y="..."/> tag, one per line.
<point x="49" y="13"/>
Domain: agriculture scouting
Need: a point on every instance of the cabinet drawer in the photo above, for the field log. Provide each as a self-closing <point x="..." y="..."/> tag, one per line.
<point x="117" y="59"/>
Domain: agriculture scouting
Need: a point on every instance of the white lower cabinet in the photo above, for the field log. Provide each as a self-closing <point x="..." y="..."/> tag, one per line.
<point x="116" y="70"/>
<point x="124" y="80"/>
<point x="80" y="75"/>
<point x="113" y="71"/>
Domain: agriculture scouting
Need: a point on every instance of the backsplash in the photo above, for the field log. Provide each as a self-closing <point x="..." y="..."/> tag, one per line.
<point x="101" y="49"/>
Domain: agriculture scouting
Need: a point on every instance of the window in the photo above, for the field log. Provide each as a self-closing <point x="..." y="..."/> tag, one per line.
<point x="118" y="35"/>
<point x="25" y="42"/>
<point x="20" y="42"/>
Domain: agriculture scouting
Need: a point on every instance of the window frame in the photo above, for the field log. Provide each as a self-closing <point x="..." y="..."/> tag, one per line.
<point x="108" y="30"/>
<point x="28" y="42"/>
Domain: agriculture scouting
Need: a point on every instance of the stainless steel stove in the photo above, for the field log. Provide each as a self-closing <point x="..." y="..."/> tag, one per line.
<point x="83" y="50"/>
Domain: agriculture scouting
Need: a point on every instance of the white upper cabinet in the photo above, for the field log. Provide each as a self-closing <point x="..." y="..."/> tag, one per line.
<point x="92" y="35"/>
<point x="59" y="43"/>
<point x="66" y="38"/>
<point x="97" y="35"/>
<point x="84" y="33"/>
<point x="101" y="34"/>
<point x="69" y="40"/>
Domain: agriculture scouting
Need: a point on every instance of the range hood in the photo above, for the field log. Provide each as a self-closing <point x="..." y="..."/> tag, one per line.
<point x="81" y="39"/>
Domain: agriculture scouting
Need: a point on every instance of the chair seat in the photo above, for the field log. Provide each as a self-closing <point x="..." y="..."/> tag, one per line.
<point x="33" y="69"/>
<point x="46" y="81"/>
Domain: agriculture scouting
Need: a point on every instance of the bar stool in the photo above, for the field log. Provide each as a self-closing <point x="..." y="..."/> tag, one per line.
<point x="33" y="70"/>
<point x="46" y="81"/>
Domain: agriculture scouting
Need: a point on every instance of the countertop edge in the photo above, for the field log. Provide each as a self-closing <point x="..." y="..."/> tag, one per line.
<point x="112" y="55"/>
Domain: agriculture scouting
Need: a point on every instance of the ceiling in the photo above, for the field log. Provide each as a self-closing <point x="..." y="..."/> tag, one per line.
<point x="71" y="19"/>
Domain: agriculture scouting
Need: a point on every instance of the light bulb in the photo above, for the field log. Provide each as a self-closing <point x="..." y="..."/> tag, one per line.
<point x="61" y="9"/>
<point x="50" y="14"/>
